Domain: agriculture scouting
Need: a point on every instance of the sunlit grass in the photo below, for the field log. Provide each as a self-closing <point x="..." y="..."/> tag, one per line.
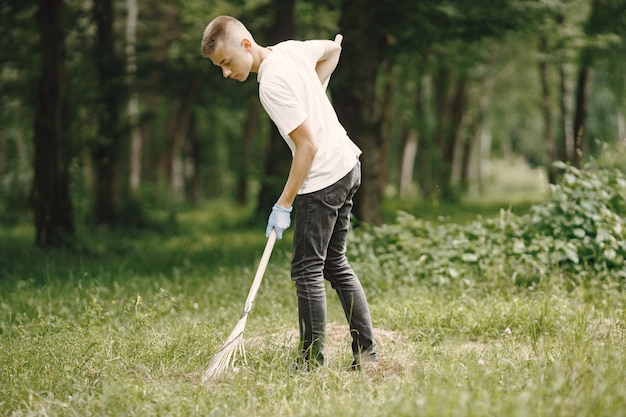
<point x="92" y="349"/>
<point x="127" y="326"/>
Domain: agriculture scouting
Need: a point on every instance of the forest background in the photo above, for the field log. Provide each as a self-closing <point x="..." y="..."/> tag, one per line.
<point x="107" y="109"/>
<point x="135" y="183"/>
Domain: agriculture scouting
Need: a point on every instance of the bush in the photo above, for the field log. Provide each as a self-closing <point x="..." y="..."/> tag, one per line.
<point x="579" y="230"/>
<point x="584" y="216"/>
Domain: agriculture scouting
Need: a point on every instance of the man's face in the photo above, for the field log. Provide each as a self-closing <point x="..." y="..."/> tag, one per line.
<point x="234" y="60"/>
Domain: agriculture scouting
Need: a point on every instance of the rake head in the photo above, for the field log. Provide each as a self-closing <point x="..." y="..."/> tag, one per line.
<point x="225" y="358"/>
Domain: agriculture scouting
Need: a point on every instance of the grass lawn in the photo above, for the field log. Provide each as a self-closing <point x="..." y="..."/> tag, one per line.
<point x="128" y="325"/>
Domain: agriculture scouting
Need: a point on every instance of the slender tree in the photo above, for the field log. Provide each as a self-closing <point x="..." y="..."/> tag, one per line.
<point x="546" y="105"/>
<point x="178" y="127"/>
<point x="105" y="152"/>
<point x="606" y="17"/>
<point x="163" y="16"/>
<point x="451" y="103"/>
<point x="50" y="193"/>
<point x="136" y="137"/>
<point x="565" y="150"/>
<point x="3" y="158"/>
<point x="356" y="99"/>
<point x="244" y="159"/>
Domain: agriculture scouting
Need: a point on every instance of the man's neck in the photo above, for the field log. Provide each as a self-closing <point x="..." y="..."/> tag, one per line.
<point x="260" y="55"/>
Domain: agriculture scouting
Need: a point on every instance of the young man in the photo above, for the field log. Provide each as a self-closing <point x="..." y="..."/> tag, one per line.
<point x="325" y="174"/>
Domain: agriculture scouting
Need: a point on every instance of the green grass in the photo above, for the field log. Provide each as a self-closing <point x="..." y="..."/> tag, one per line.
<point x="127" y="326"/>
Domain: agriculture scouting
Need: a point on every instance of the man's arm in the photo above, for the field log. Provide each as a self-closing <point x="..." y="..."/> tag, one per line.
<point x="306" y="149"/>
<point x="329" y="59"/>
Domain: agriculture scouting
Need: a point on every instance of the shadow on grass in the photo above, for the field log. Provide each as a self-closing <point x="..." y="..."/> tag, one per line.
<point x="195" y="240"/>
<point x="199" y="239"/>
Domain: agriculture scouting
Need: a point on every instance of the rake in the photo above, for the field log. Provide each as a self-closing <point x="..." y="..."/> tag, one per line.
<point x="226" y="356"/>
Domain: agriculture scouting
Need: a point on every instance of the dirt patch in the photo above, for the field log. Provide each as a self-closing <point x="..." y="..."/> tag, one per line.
<point x="394" y="357"/>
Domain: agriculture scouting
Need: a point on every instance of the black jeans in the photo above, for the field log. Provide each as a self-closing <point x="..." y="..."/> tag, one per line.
<point x="322" y="222"/>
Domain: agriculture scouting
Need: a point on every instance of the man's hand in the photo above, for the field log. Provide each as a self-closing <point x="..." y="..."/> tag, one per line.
<point x="280" y="220"/>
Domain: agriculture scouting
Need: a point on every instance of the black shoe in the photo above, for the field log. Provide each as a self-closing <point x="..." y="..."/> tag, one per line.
<point x="363" y="359"/>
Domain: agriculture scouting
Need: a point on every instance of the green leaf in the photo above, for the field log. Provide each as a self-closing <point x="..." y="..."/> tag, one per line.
<point x="569" y="178"/>
<point x="610" y="254"/>
<point x="603" y="235"/>
<point x="588" y="205"/>
<point x="469" y="257"/>
<point x="572" y="253"/>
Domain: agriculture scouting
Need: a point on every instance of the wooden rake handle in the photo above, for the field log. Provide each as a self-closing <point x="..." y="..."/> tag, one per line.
<point x="256" y="283"/>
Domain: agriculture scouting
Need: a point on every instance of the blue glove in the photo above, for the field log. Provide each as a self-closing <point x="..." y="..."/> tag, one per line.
<point x="279" y="220"/>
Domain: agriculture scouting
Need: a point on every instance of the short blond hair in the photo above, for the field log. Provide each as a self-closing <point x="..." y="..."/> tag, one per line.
<point x="221" y="29"/>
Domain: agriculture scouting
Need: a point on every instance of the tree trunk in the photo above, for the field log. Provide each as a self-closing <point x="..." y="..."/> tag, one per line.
<point x="177" y="132"/>
<point x="547" y="110"/>
<point x="462" y="145"/>
<point x="3" y="147"/>
<point x="105" y="152"/>
<point x="582" y="93"/>
<point x="566" y="116"/>
<point x="356" y="102"/>
<point x="278" y="156"/>
<point x="595" y="25"/>
<point x="465" y="159"/>
<point x="486" y="140"/>
<point x="158" y="168"/>
<point x="387" y="117"/>
<point x="476" y="160"/>
<point x="409" y="151"/>
<point x="136" y="137"/>
<point x="451" y="98"/>
<point x="621" y="128"/>
<point x="172" y="156"/>
<point x="244" y="156"/>
<point x="565" y="149"/>
<point x="470" y="177"/>
<point x="194" y="177"/>
<point x="428" y="159"/>
<point x="50" y="193"/>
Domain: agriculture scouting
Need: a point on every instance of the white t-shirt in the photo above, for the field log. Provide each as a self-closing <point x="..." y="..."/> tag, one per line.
<point x="291" y="92"/>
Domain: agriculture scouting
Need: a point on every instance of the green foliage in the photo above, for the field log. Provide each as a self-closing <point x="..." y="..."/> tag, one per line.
<point x="14" y="198"/>
<point x="579" y="230"/>
<point x="585" y="217"/>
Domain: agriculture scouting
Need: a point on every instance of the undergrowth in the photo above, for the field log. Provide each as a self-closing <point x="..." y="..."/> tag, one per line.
<point x="579" y="230"/>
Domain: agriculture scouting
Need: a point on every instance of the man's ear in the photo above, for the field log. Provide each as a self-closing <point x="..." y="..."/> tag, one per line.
<point x="246" y="44"/>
